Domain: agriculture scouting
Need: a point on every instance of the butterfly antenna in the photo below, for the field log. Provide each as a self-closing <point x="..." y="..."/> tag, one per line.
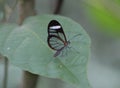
<point x="75" y="36"/>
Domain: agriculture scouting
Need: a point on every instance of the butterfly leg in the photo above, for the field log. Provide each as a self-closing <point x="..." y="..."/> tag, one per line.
<point x="63" y="53"/>
<point x="67" y="50"/>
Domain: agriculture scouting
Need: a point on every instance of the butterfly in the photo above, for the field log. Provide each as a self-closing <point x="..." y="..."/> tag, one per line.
<point x="56" y="37"/>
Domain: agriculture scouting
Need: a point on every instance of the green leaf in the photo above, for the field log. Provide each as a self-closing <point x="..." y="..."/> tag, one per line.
<point x="26" y="47"/>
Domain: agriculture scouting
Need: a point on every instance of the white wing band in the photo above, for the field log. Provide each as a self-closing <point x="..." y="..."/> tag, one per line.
<point x="55" y="27"/>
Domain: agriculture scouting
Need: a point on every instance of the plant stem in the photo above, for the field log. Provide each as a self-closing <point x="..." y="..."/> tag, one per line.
<point x="29" y="80"/>
<point x="26" y="9"/>
<point x="58" y="7"/>
<point x="5" y="79"/>
<point x="2" y="8"/>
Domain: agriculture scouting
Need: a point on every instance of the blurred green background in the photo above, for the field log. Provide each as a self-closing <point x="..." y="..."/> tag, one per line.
<point x="101" y="19"/>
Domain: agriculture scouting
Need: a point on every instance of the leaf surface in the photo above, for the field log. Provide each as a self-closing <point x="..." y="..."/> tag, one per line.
<point x="26" y="47"/>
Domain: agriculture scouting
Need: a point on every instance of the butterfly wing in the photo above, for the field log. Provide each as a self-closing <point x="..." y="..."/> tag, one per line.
<point x="55" y="28"/>
<point x="55" y="42"/>
<point x="56" y="37"/>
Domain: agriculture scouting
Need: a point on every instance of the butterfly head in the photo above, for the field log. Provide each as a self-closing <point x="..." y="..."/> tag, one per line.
<point x="67" y="43"/>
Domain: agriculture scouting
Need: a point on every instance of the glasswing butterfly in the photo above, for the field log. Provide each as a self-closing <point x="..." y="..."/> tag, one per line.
<point x="56" y="37"/>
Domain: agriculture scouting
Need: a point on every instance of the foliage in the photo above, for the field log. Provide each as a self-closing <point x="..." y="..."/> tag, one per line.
<point x="105" y="13"/>
<point x="26" y="47"/>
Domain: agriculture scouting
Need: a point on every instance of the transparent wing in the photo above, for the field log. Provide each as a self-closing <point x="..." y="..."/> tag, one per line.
<point x="55" y="42"/>
<point x="55" y="28"/>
